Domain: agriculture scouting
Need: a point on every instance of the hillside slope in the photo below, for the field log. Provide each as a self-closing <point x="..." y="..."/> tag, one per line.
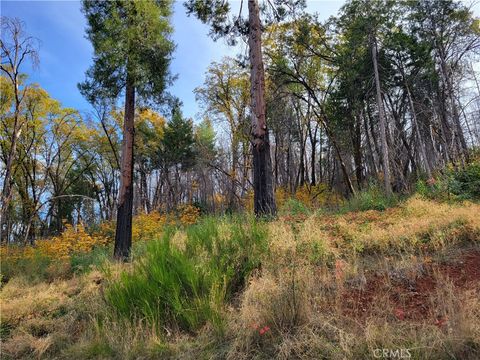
<point x="404" y="280"/>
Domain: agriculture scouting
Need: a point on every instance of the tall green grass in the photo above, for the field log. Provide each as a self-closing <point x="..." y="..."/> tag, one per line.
<point x="183" y="287"/>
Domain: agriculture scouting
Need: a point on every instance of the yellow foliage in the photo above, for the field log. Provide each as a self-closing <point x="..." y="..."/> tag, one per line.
<point x="16" y="252"/>
<point x="219" y="200"/>
<point x="248" y="201"/>
<point x="148" y="226"/>
<point x="70" y="241"/>
<point x="417" y="223"/>
<point x="310" y="196"/>
<point x="145" y="227"/>
<point x="188" y="214"/>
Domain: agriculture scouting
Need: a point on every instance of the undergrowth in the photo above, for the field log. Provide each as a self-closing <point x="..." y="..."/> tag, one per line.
<point x="319" y="285"/>
<point x="184" y="279"/>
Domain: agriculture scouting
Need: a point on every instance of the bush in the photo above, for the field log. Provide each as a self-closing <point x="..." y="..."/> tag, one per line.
<point x="183" y="280"/>
<point x="84" y="261"/>
<point x="166" y="288"/>
<point x="455" y="184"/>
<point x="465" y="183"/>
<point x="294" y="207"/>
<point x="373" y="198"/>
<point x="232" y="249"/>
<point x="35" y="267"/>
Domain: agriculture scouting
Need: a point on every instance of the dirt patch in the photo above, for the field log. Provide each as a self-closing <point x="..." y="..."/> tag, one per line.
<point x="410" y="295"/>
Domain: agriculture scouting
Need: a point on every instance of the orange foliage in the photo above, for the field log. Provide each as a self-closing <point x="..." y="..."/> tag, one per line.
<point x="72" y="240"/>
<point x="188" y="214"/>
<point x="148" y="226"/>
<point x="75" y="239"/>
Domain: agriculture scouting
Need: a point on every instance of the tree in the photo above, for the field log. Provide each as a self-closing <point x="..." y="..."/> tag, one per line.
<point x="225" y="97"/>
<point x="132" y="54"/>
<point x="177" y="151"/>
<point x="16" y="48"/>
<point x="215" y="13"/>
<point x="450" y="31"/>
<point x="381" y="118"/>
<point x="264" y="201"/>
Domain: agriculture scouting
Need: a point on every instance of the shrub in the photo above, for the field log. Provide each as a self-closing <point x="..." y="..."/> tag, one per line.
<point x="84" y="261"/>
<point x="454" y="184"/>
<point x="57" y="257"/>
<point x="72" y="240"/>
<point x="295" y="207"/>
<point x="373" y="198"/>
<point x="166" y="288"/>
<point x="32" y="265"/>
<point x="305" y="198"/>
<point x="465" y="183"/>
<point x="232" y="249"/>
<point x="188" y="214"/>
<point x="15" y="265"/>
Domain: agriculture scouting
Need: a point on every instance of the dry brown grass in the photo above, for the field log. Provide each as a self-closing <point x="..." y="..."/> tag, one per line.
<point x="331" y="287"/>
<point x="415" y="225"/>
<point x="38" y="320"/>
<point x="303" y="293"/>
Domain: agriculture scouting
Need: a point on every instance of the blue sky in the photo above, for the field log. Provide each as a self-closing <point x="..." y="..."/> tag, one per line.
<point x="65" y="54"/>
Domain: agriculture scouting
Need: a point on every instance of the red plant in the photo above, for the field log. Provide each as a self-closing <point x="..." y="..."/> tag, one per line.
<point x="399" y="314"/>
<point x="264" y="330"/>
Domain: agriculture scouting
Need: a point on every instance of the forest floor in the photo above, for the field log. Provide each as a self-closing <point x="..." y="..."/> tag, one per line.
<point x="398" y="283"/>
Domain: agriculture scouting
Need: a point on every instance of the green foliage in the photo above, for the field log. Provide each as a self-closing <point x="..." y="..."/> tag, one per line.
<point x="178" y="141"/>
<point x="233" y="249"/>
<point x="186" y="285"/>
<point x="437" y="189"/>
<point x="85" y="261"/>
<point x="129" y="38"/>
<point x="165" y="288"/>
<point x="465" y="183"/>
<point x="454" y="184"/>
<point x="373" y="198"/>
<point x="295" y="207"/>
<point x="205" y="141"/>
<point x="34" y="269"/>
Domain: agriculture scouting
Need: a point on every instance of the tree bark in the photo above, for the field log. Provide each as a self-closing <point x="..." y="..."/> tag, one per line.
<point x="420" y="142"/>
<point x="264" y="199"/>
<point x="462" y="144"/>
<point x="382" y="121"/>
<point x="123" y="234"/>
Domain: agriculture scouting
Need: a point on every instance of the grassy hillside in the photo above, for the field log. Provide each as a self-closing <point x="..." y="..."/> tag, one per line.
<point x="308" y="285"/>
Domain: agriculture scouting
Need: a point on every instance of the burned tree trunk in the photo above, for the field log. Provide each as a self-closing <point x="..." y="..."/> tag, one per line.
<point x="264" y="200"/>
<point x="123" y="234"/>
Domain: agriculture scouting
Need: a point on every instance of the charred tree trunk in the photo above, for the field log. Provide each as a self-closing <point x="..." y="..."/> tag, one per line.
<point x="262" y="164"/>
<point x="123" y="234"/>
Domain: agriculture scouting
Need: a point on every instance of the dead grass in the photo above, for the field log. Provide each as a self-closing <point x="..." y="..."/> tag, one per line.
<point x="331" y="287"/>
<point x="39" y="320"/>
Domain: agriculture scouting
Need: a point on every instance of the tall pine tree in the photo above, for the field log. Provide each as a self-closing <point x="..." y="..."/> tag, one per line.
<point x="132" y="52"/>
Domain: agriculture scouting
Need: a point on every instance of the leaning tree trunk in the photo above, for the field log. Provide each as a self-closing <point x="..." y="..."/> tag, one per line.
<point x="123" y="234"/>
<point x="381" y="115"/>
<point x="460" y="138"/>
<point x="420" y="142"/>
<point x="264" y="199"/>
